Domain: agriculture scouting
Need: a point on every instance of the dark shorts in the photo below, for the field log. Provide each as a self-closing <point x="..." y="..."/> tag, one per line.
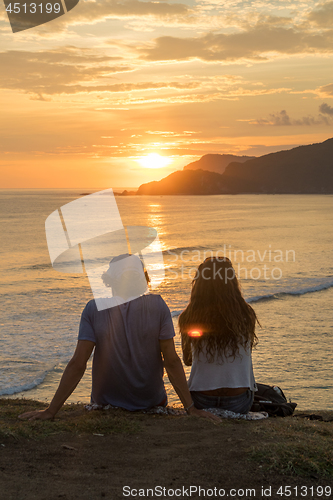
<point x="238" y="404"/>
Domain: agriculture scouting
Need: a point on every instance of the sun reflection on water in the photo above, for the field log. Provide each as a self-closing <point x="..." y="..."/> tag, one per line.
<point x="156" y="219"/>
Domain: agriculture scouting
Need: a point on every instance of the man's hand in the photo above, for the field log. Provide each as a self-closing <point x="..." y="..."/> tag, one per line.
<point x="203" y="414"/>
<point x="37" y="415"/>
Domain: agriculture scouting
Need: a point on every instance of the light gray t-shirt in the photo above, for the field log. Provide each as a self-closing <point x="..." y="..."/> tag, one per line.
<point x="226" y="372"/>
<point x="127" y="365"/>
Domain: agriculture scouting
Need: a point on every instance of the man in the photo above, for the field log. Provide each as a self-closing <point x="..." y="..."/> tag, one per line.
<point x="133" y="341"/>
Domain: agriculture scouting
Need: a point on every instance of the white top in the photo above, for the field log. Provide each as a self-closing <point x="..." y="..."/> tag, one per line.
<point x="223" y="372"/>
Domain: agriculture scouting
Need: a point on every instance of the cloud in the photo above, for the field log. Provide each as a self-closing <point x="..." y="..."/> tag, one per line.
<point x="326" y="109"/>
<point x="282" y="119"/>
<point x="91" y="12"/>
<point x="129" y="87"/>
<point x="326" y="90"/>
<point x="322" y="15"/>
<point x="55" y="71"/>
<point x="184" y="133"/>
<point x="70" y="70"/>
<point x="257" y="43"/>
<point x="163" y="100"/>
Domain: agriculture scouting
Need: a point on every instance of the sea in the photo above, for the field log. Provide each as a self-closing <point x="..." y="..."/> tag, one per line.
<point x="281" y="247"/>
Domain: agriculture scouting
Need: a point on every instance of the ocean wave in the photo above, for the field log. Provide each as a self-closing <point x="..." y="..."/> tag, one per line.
<point x="29" y="373"/>
<point x="174" y="314"/>
<point x="277" y="295"/>
<point x="178" y="250"/>
<point x="303" y="291"/>
<point x="9" y="391"/>
<point x="39" y="266"/>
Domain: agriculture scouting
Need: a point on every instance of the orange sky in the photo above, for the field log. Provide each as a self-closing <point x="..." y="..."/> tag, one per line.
<point x="86" y="95"/>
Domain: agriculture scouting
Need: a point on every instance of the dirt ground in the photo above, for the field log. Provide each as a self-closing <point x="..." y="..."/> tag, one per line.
<point x="174" y="453"/>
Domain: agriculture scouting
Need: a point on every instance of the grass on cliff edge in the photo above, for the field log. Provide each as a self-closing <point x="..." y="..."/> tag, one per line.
<point x="291" y="446"/>
<point x="296" y="447"/>
<point x="71" y="418"/>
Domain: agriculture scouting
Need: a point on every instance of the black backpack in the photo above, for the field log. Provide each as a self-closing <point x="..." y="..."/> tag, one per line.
<point x="271" y="399"/>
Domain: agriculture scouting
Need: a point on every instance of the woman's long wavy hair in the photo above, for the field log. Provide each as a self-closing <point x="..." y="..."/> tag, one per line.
<point x="218" y="309"/>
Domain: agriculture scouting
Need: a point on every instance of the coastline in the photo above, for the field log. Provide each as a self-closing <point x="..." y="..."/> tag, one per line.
<point x="89" y="455"/>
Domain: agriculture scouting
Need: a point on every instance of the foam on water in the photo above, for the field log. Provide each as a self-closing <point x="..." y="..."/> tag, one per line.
<point x="310" y="289"/>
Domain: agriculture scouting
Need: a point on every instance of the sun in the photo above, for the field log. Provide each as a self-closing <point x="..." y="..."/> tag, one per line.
<point x="154" y="160"/>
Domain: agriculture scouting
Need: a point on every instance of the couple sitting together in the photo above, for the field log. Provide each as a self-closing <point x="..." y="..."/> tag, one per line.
<point x="134" y="342"/>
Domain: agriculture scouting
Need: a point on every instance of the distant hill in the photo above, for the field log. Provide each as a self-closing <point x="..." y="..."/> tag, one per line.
<point x="301" y="170"/>
<point x="185" y="182"/>
<point x="216" y="163"/>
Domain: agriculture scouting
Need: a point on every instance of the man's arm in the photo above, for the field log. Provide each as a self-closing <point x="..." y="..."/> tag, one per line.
<point x="71" y="377"/>
<point x="176" y="374"/>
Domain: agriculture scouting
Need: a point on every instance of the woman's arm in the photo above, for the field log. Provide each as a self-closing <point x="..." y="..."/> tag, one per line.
<point x="187" y="351"/>
<point x="71" y="377"/>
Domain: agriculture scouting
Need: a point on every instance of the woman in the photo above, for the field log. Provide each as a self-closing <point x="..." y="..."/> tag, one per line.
<point x="218" y="334"/>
